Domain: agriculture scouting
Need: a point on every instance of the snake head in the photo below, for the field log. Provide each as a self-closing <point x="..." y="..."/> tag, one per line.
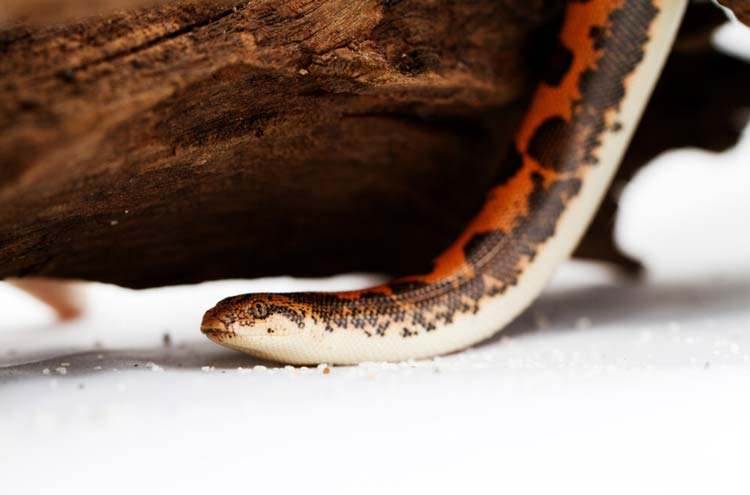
<point x="237" y="320"/>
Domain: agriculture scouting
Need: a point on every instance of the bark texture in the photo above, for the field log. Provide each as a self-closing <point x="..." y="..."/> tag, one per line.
<point x="191" y="141"/>
<point x="194" y="141"/>
<point x="41" y="11"/>
<point x="741" y="9"/>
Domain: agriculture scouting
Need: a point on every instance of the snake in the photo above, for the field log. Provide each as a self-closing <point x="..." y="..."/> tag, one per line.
<point x="580" y="120"/>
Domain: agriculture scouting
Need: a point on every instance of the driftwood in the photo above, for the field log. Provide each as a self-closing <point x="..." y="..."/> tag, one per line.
<point x="41" y="11"/>
<point x="741" y="9"/>
<point x="194" y="141"/>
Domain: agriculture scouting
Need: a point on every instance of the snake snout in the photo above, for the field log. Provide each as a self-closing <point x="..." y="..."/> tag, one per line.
<point x="213" y="328"/>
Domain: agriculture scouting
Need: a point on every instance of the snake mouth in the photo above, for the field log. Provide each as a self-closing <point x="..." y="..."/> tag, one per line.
<point x="214" y="333"/>
<point x="215" y="329"/>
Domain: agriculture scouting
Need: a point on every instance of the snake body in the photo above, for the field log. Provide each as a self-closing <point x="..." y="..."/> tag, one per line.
<point x="566" y="151"/>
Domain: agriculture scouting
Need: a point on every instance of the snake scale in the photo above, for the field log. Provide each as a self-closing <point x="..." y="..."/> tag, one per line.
<point x="578" y="125"/>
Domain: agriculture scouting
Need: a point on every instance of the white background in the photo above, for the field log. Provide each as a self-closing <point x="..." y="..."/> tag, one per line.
<point x="606" y="385"/>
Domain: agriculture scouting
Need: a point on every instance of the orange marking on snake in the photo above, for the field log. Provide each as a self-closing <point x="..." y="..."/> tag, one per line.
<point x="503" y="206"/>
<point x="559" y="101"/>
<point x="384" y="289"/>
<point x="506" y="203"/>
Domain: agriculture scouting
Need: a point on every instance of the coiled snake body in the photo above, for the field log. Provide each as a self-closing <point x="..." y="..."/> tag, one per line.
<point x="566" y="151"/>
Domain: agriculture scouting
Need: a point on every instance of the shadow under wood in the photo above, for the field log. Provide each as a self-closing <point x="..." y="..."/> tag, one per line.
<point x="190" y="357"/>
<point x="627" y="306"/>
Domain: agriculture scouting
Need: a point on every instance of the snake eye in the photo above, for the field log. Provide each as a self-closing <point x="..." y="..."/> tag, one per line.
<point x="259" y="309"/>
